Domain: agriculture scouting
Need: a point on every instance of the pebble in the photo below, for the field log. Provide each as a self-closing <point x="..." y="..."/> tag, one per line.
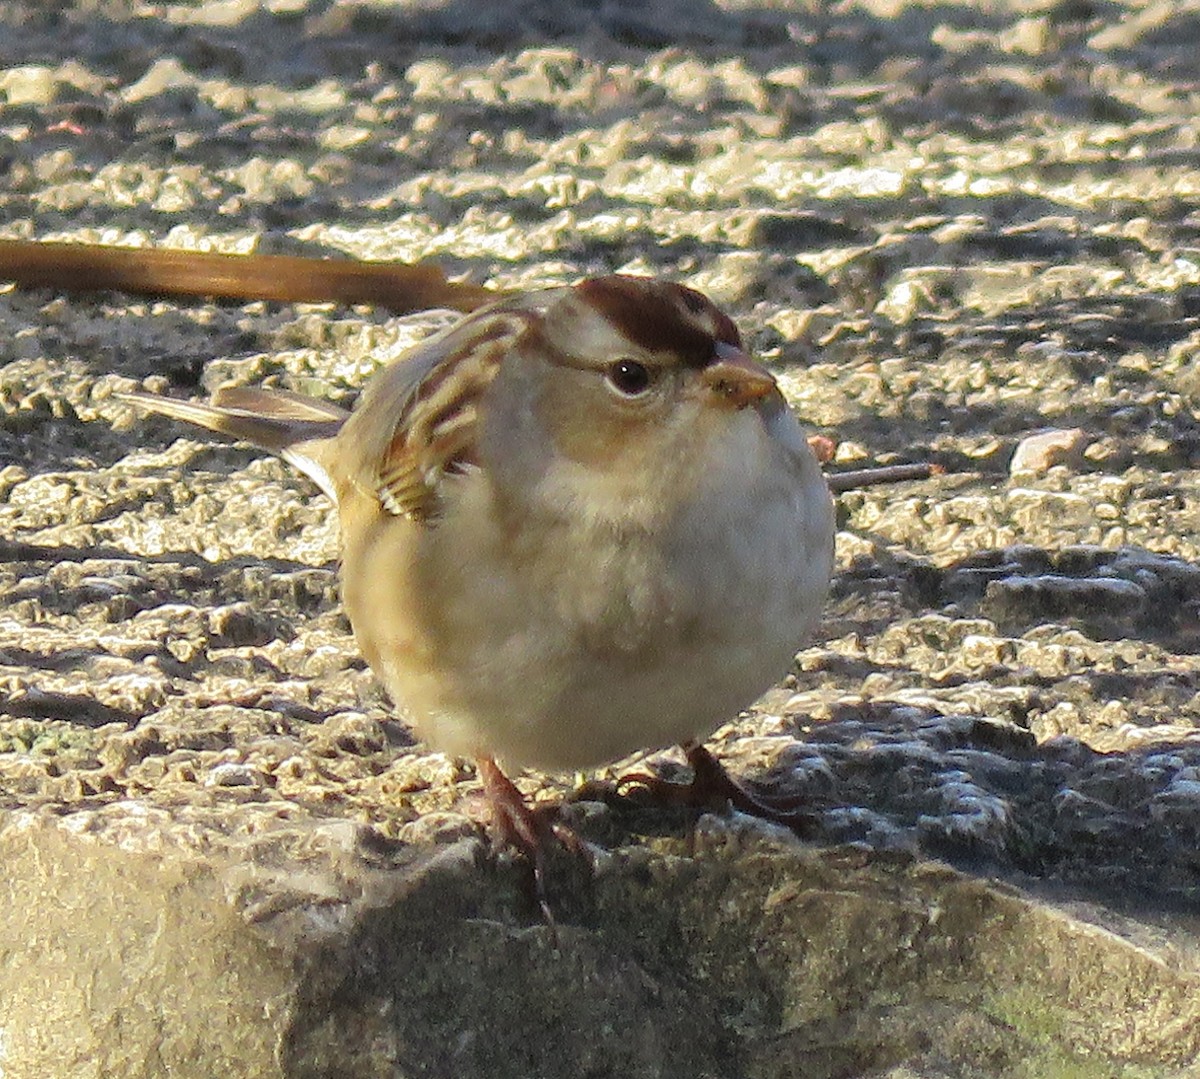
<point x="1044" y="449"/>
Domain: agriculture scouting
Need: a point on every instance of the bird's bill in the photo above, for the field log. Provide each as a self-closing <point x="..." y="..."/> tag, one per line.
<point x="735" y="378"/>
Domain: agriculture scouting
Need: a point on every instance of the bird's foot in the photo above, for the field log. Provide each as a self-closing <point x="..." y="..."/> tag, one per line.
<point x="527" y="829"/>
<point x="713" y="788"/>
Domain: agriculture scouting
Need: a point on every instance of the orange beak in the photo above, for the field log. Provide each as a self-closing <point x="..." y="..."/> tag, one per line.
<point x="735" y="379"/>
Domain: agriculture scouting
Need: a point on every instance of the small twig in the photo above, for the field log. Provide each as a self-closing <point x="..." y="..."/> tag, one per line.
<point x="871" y="477"/>
<point x="286" y="278"/>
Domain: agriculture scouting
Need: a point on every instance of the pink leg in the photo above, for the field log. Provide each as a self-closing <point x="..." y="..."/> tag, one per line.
<point x="519" y="825"/>
<point x="712" y="787"/>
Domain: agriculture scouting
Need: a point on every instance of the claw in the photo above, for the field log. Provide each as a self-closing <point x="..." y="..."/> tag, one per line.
<point x="712" y="787"/>
<point x="528" y="830"/>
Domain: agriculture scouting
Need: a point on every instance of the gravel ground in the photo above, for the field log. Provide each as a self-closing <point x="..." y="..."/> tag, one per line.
<point x="946" y="229"/>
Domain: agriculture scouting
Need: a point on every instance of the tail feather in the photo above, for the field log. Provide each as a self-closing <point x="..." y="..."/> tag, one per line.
<point x="297" y="428"/>
<point x="281" y="404"/>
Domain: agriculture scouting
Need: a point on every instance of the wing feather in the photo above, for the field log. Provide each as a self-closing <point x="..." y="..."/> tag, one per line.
<point x="416" y="422"/>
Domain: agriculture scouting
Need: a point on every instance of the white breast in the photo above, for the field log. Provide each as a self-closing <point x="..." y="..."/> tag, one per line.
<point x="594" y="644"/>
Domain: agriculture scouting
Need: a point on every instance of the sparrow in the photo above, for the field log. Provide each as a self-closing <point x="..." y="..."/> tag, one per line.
<point x="577" y="524"/>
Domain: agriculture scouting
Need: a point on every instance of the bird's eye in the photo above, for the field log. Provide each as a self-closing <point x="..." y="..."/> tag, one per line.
<point x="629" y="377"/>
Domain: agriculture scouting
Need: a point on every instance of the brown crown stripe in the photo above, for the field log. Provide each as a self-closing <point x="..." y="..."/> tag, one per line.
<point x="654" y="316"/>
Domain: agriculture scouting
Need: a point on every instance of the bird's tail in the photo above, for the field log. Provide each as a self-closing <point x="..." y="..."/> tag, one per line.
<point x="297" y="428"/>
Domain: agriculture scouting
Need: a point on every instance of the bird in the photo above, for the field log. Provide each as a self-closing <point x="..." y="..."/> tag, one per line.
<point x="579" y="523"/>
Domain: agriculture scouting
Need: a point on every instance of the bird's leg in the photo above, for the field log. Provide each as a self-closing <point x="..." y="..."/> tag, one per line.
<point x="517" y="824"/>
<point x="712" y="787"/>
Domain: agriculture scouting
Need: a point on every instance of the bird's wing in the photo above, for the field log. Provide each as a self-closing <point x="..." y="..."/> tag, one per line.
<point x="414" y="424"/>
<point x="417" y="421"/>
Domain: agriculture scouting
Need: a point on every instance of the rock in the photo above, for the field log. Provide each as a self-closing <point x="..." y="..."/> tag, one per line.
<point x="30" y="85"/>
<point x="321" y="950"/>
<point x="1040" y="451"/>
<point x="1031" y="599"/>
